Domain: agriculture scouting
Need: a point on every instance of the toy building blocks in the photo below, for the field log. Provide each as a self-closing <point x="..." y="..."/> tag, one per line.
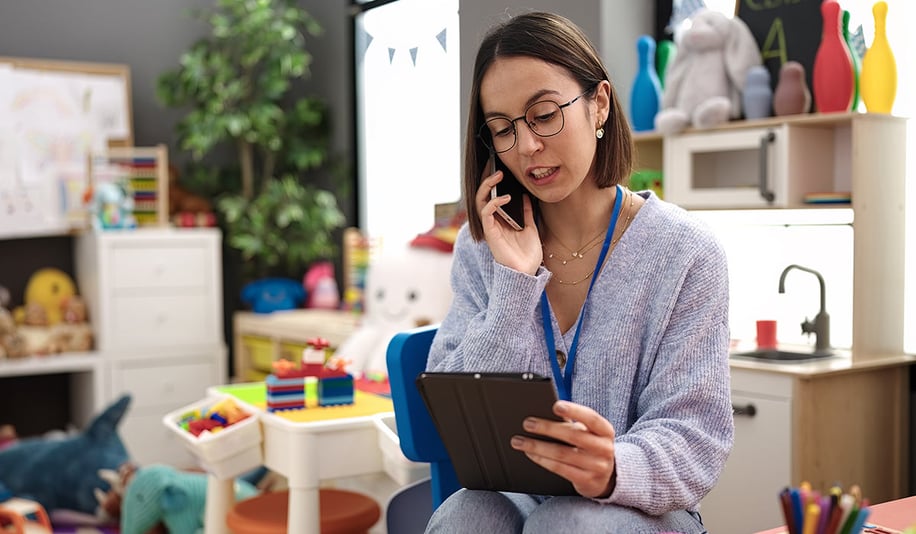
<point x="223" y="414"/>
<point x="286" y="386"/>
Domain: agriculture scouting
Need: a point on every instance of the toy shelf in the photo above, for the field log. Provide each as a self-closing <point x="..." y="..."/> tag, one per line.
<point x="69" y="362"/>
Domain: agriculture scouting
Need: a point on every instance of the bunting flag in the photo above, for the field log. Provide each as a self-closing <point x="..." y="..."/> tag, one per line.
<point x="364" y="39"/>
<point x="682" y="11"/>
<point x="857" y="40"/>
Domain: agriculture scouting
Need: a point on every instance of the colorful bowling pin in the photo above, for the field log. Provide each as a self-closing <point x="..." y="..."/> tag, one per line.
<point x="792" y="95"/>
<point x="664" y="55"/>
<point x="854" y="56"/>
<point x="878" y="82"/>
<point x="646" y="96"/>
<point x="757" y="97"/>
<point x="833" y="80"/>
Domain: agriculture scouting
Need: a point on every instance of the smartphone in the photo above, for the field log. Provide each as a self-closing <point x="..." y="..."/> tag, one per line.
<point x="513" y="212"/>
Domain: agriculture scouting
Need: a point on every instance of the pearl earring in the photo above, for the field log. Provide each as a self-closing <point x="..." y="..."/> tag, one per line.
<point x="599" y="133"/>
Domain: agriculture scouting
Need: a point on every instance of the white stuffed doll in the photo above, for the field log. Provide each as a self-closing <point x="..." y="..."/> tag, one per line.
<point x="405" y="288"/>
<point x="704" y="82"/>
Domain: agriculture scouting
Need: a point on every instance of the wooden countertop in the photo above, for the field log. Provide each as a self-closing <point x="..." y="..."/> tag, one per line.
<point x="842" y="362"/>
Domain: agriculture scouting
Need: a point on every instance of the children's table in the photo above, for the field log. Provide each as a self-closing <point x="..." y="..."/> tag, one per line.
<point x="310" y="445"/>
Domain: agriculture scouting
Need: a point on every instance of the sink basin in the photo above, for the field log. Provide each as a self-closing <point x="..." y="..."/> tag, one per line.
<point x="776" y="355"/>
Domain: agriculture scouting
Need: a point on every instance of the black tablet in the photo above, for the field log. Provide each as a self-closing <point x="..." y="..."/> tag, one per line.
<point x="477" y="414"/>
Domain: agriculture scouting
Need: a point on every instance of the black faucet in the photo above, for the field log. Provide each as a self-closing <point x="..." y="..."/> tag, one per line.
<point x="821" y="325"/>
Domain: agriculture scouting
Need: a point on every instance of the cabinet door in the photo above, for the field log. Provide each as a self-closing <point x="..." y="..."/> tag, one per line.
<point x="745" y="498"/>
<point x="727" y="169"/>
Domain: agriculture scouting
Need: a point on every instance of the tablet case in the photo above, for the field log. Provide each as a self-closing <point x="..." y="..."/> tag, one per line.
<point x="477" y="414"/>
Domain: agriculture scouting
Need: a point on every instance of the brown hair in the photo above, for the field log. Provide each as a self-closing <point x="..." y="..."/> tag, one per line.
<point x="557" y="40"/>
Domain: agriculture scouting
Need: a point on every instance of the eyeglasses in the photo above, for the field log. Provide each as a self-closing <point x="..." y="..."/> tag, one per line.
<point x="544" y="118"/>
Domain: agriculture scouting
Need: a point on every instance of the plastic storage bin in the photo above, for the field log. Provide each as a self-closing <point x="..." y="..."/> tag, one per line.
<point x="225" y="454"/>
<point x="395" y="464"/>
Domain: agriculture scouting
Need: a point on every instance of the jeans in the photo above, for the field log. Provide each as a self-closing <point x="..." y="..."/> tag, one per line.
<point x="486" y="512"/>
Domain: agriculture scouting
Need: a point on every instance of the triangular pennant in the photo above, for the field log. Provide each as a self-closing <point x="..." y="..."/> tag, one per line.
<point x="390" y="55"/>
<point x="363" y="40"/>
<point x="857" y="40"/>
<point x="413" y="56"/>
<point x="441" y="38"/>
<point x="683" y="11"/>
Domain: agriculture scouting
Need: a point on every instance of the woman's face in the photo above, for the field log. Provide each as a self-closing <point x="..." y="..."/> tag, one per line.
<point x="551" y="168"/>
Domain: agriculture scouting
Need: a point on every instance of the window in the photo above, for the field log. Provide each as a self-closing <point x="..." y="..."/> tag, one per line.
<point x="408" y="125"/>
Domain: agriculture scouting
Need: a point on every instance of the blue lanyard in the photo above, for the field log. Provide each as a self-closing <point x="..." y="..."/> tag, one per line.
<point x="564" y="378"/>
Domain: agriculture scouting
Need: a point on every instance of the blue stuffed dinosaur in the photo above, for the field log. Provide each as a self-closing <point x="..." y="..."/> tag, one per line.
<point x="63" y="473"/>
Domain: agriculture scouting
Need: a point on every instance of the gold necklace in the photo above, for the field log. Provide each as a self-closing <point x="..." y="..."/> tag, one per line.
<point x="576" y="255"/>
<point x="626" y="225"/>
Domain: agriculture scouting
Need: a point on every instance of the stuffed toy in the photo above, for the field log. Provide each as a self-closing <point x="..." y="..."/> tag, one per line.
<point x="162" y="494"/>
<point x="405" y="288"/>
<point x="112" y="207"/>
<point x="273" y="294"/>
<point x="63" y="472"/>
<point x="45" y="293"/>
<point x="12" y="342"/>
<point x="703" y="83"/>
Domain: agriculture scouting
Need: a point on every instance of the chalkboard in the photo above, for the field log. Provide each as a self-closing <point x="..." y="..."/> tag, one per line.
<point x="785" y="30"/>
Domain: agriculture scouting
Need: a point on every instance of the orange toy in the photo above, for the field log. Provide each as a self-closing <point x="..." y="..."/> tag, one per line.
<point x="22" y="516"/>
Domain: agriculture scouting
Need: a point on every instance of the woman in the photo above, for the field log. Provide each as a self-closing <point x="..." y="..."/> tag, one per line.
<point x="621" y="297"/>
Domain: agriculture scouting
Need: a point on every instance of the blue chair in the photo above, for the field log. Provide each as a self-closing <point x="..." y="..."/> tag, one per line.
<point x="407" y="354"/>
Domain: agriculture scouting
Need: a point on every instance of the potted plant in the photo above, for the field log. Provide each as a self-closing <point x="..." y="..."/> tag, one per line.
<point x="239" y="86"/>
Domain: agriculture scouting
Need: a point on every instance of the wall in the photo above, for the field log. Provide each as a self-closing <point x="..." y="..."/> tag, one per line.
<point x="150" y="37"/>
<point x="613" y="25"/>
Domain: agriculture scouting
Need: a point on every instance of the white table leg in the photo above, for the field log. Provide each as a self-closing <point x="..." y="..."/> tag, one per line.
<point x="220" y="498"/>
<point x="304" y="511"/>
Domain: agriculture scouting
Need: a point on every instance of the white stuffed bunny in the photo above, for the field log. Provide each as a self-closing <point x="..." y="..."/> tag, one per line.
<point x="704" y="82"/>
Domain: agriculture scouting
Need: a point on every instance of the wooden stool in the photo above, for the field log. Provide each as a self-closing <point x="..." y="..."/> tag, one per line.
<point x="342" y="512"/>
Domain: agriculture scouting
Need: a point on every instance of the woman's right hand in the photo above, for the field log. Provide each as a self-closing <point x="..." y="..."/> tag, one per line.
<point x="519" y="250"/>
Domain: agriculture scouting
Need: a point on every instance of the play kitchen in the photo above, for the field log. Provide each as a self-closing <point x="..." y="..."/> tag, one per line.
<point x="821" y="394"/>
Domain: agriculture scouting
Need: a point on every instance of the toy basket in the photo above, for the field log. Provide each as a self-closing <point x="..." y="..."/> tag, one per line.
<point x="395" y="464"/>
<point x="227" y="453"/>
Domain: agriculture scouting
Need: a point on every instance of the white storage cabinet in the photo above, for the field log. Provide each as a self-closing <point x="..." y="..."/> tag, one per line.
<point x="155" y="303"/>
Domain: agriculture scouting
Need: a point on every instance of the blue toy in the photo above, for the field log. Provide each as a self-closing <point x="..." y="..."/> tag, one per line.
<point x="273" y="294"/>
<point x="63" y="473"/>
<point x="112" y="207"/>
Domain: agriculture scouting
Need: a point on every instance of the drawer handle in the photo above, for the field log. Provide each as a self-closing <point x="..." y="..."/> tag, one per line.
<point x="764" y="160"/>
<point x="749" y="410"/>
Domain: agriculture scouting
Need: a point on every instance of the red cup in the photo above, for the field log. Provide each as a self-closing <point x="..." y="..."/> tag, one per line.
<point x="766" y="334"/>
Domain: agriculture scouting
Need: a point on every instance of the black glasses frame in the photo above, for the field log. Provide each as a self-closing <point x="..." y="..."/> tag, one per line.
<point x="486" y="137"/>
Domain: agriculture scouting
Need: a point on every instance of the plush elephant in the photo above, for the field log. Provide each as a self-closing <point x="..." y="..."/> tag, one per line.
<point x="162" y="494"/>
<point x="703" y="84"/>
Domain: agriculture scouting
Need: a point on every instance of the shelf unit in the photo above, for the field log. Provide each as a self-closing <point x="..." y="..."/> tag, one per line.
<point x="839" y="151"/>
<point x="809" y="423"/>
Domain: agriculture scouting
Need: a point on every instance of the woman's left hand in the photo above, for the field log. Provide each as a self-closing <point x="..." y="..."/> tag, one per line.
<point x="588" y="460"/>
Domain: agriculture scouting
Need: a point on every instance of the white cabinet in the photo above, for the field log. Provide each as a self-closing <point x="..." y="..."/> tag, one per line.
<point x="155" y="299"/>
<point x="744" y="499"/>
